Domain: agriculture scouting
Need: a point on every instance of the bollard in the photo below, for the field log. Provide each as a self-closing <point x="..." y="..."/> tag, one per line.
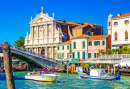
<point x="72" y="68"/>
<point x="67" y="69"/>
<point x="100" y="66"/>
<point x="114" y="70"/>
<point x="108" y="69"/>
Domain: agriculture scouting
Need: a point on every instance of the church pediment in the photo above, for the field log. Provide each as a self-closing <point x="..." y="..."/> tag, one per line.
<point x="42" y="17"/>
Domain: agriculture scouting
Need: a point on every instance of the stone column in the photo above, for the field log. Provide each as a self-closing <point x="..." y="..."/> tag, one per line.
<point x="46" y="31"/>
<point x="37" y="49"/>
<point x="32" y="32"/>
<point x="52" y="52"/>
<point x="52" y="30"/>
<point x="46" y="51"/>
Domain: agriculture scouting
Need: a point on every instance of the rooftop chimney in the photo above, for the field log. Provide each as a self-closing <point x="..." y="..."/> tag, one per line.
<point x="92" y="33"/>
<point x="119" y="14"/>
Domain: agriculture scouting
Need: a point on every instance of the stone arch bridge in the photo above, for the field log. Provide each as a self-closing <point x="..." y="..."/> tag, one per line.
<point x="38" y="58"/>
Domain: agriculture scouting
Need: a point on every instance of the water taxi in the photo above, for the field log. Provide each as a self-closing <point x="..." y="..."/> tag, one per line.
<point x="42" y="76"/>
<point x="100" y="74"/>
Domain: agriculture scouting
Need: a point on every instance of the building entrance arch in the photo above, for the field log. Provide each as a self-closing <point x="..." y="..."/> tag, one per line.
<point x="43" y="52"/>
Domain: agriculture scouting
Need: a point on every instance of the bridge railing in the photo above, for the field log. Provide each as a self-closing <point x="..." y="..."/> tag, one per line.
<point x="114" y="56"/>
<point x="33" y="54"/>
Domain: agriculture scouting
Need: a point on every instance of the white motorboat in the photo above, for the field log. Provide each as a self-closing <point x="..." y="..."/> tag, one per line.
<point x="41" y="76"/>
<point x="100" y="75"/>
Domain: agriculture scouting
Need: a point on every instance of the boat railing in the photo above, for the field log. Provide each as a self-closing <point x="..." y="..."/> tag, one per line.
<point x="39" y="73"/>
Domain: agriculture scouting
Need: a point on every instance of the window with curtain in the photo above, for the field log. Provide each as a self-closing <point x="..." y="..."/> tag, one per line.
<point x="90" y="43"/>
<point x="115" y="35"/>
<point x="126" y="35"/>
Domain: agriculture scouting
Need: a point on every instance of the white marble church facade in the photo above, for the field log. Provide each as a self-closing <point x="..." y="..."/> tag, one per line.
<point x="43" y="36"/>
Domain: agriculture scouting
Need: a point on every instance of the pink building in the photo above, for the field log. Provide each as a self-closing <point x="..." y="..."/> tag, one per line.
<point x="97" y="43"/>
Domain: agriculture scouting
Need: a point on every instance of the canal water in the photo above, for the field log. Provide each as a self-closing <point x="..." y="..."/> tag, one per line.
<point x="65" y="81"/>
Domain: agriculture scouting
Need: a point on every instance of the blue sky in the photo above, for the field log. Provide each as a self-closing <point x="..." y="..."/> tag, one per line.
<point x="15" y="15"/>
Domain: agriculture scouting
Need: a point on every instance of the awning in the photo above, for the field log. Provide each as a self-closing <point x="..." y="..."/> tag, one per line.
<point x="73" y="61"/>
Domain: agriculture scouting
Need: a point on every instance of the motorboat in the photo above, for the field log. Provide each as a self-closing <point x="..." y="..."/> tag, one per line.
<point x="42" y="76"/>
<point x="100" y="74"/>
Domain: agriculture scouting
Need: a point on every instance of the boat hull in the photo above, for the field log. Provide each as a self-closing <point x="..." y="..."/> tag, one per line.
<point x="44" y="78"/>
<point x="100" y="78"/>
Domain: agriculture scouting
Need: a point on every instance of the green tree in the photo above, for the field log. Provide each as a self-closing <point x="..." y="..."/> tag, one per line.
<point x="126" y="50"/>
<point x="20" y="42"/>
<point x="109" y="51"/>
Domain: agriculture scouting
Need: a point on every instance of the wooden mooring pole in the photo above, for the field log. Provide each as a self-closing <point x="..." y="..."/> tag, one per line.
<point x="8" y="66"/>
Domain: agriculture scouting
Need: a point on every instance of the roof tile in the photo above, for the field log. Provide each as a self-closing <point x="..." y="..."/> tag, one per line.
<point x="123" y="15"/>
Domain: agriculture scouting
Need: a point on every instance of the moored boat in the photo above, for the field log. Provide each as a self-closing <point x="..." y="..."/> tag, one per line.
<point x="100" y="74"/>
<point x="42" y="76"/>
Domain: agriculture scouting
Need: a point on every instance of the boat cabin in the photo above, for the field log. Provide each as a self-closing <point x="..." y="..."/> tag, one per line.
<point x="97" y="72"/>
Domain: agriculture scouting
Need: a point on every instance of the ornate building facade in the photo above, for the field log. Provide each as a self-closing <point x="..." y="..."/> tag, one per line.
<point x="47" y="32"/>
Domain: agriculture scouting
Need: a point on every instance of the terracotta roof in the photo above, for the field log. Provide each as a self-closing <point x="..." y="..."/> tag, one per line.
<point x="67" y="42"/>
<point x="98" y="37"/>
<point x="123" y="15"/>
<point x="67" y="22"/>
<point x="80" y="26"/>
<point x="82" y="36"/>
<point x="86" y="23"/>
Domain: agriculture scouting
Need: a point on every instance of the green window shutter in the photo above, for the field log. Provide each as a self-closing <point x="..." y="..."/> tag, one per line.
<point x="95" y="55"/>
<point x="91" y="43"/>
<point x="103" y="42"/>
<point x="67" y="46"/>
<point x="58" y="48"/>
<point x="95" y="43"/>
<point x="88" y="44"/>
<point x="88" y="55"/>
<point x="83" y="44"/>
<point x="74" y="45"/>
<point x="99" y="42"/>
<point x="62" y="47"/>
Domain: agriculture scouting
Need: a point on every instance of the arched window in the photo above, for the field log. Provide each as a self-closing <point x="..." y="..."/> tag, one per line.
<point x="126" y="35"/>
<point x="109" y="23"/>
<point x="115" y="35"/>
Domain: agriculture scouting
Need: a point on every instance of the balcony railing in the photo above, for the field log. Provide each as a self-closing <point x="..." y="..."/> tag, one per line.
<point x="115" y="56"/>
